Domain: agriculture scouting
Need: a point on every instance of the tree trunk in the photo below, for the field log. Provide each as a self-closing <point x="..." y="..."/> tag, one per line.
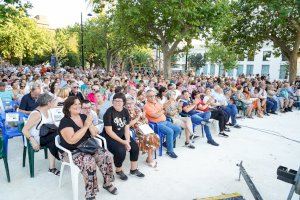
<point x="167" y="65"/>
<point x="20" y="61"/>
<point x="292" y="68"/>
<point x="108" y="61"/>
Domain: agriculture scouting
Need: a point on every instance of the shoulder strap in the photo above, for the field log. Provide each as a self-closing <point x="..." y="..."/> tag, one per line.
<point x="40" y="120"/>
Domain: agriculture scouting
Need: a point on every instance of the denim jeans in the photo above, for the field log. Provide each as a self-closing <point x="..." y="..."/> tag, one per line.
<point x="198" y="118"/>
<point x="231" y="109"/>
<point x="271" y="105"/>
<point x="171" y="131"/>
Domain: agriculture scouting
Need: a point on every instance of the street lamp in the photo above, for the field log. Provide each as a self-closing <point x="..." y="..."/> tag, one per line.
<point x="82" y="48"/>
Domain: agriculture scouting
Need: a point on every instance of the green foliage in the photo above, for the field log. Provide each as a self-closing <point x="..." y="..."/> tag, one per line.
<point x="164" y="23"/>
<point x="218" y="53"/>
<point x="22" y="38"/>
<point x="141" y="56"/>
<point x="196" y="60"/>
<point x="249" y="24"/>
<point x="65" y="43"/>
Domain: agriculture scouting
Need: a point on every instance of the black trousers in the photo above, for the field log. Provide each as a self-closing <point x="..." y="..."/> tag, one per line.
<point x="220" y="116"/>
<point x="49" y="142"/>
<point x="119" y="151"/>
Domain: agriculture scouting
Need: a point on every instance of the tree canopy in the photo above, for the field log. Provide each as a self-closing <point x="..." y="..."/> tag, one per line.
<point x="250" y="24"/>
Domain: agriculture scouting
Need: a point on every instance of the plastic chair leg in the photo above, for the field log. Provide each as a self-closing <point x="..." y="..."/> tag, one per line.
<point x="46" y="153"/>
<point x="202" y="131"/>
<point x="31" y="161"/>
<point x="74" y="175"/>
<point x="24" y="155"/>
<point x="6" y="168"/>
<point x="61" y="174"/>
<point x="160" y="149"/>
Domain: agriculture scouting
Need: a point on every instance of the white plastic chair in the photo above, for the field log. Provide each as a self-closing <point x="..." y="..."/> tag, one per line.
<point x="74" y="169"/>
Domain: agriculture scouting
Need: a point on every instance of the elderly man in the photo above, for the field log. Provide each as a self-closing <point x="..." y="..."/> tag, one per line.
<point x="29" y="101"/>
<point x="75" y="91"/>
<point x="226" y="105"/>
<point x="155" y="113"/>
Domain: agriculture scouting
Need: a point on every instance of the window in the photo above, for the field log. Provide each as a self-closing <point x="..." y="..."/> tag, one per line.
<point x="221" y="70"/>
<point x="283" y="71"/>
<point x="205" y="68"/>
<point x="266" y="55"/>
<point x="249" y="70"/>
<point x="212" y="69"/>
<point x="265" y="70"/>
<point x="239" y="70"/>
<point x="284" y="58"/>
<point x="230" y="72"/>
<point x="251" y="56"/>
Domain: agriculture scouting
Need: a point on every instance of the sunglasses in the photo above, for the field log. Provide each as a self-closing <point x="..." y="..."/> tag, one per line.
<point x="76" y="87"/>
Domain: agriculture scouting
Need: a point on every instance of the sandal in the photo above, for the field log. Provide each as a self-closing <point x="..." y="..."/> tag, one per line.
<point x="111" y="189"/>
<point x="152" y="164"/>
<point x="54" y="171"/>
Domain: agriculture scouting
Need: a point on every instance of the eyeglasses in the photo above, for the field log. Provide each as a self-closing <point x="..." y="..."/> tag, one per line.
<point x="87" y="108"/>
<point x="151" y="96"/>
<point x="76" y="87"/>
<point x="118" y="101"/>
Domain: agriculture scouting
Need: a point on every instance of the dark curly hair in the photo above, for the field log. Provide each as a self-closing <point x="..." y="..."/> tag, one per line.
<point x="67" y="104"/>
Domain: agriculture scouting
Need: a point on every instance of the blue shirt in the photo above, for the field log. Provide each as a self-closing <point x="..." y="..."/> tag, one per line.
<point x="6" y="95"/>
<point x="28" y="103"/>
<point x="191" y="112"/>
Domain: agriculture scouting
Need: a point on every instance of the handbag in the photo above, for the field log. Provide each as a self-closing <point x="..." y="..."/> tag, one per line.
<point x="89" y="146"/>
<point x="47" y="129"/>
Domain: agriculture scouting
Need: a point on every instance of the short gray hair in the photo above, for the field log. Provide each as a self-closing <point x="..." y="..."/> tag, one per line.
<point x="44" y="99"/>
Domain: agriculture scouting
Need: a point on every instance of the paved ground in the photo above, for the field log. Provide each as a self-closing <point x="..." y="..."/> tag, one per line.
<point x="205" y="171"/>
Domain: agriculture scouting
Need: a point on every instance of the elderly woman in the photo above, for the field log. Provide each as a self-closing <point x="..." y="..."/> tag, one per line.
<point x="74" y="129"/>
<point x="116" y="131"/>
<point x="147" y="142"/>
<point x="31" y="130"/>
<point x="173" y="108"/>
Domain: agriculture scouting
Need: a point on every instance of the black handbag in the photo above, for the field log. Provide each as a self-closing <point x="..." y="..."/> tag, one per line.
<point x="89" y="146"/>
<point x="47" y="129"/>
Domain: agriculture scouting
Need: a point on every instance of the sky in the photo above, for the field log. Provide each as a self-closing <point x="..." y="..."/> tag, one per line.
<point x="60" y="13"/>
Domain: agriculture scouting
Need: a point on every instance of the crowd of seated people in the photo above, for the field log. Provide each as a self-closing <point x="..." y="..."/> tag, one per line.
<point x="126" y="104"/>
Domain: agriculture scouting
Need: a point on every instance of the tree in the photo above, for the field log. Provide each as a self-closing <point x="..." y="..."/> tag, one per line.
<point x="21" y="38"/>
<point x="218" y="53"/>
<point x="251" y="23"/>
<point x="165" y="24"/>
<point x="64" y="45"/>
<point x="196" y="60"/>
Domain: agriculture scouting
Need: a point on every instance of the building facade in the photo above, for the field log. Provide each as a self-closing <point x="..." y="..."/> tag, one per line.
<point x="264" y="62"/>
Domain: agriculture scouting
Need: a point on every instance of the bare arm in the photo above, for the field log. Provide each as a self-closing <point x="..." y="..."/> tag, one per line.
<point x="127" y="133"/>
<point x="24" y="111"/>
<point x="32" y="121"/>
<point x="94" y="131"/>
<point x="72" y="137"/>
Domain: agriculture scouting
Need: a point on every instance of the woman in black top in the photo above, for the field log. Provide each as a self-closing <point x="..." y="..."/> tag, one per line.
<point x="76" y="128"/>
<point x="116" y="131"/>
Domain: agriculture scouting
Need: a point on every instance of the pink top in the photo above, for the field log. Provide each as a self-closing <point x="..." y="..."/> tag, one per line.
<point x="92" y="98"/>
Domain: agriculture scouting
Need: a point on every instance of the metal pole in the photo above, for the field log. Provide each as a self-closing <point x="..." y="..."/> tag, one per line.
<point x="186" y="60"/>
<point x="81" y="28"/>
<point x="251" y="186"/>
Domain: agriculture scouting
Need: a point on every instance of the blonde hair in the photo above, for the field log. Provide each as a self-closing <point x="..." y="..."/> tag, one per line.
<point x="63" y="92"/>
